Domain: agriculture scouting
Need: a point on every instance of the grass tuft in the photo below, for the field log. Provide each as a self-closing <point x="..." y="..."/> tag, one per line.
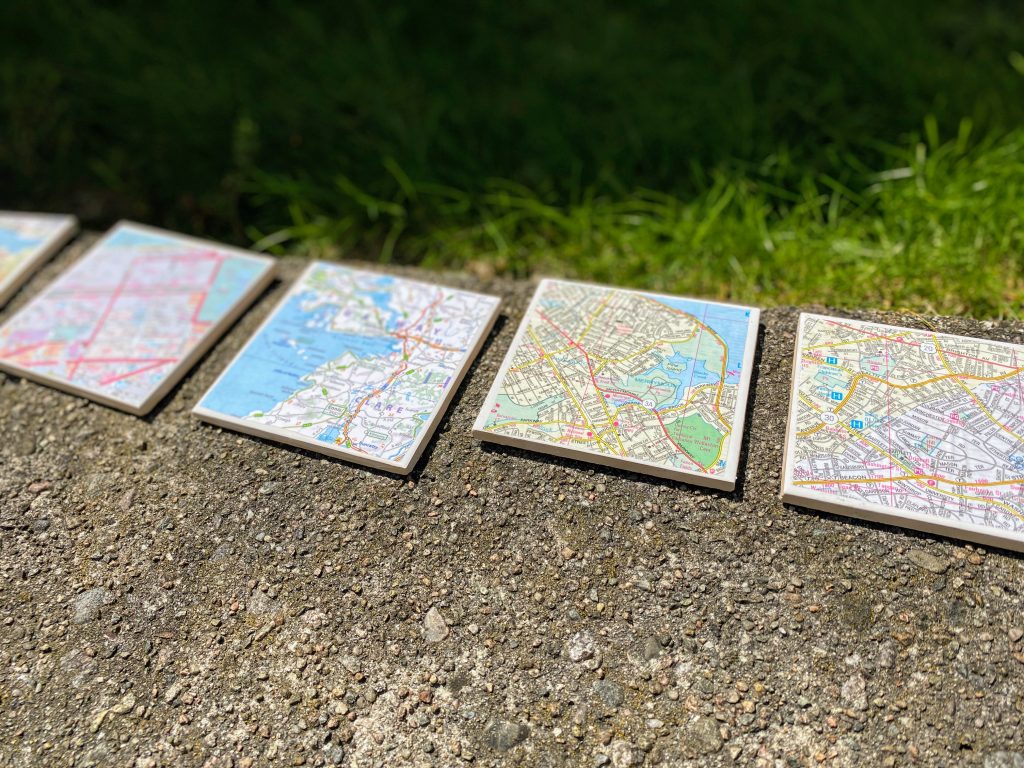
<point x="938" y="229"/>
<point x="769" y="151"/>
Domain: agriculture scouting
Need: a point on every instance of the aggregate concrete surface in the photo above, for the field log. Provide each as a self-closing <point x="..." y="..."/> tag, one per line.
<point x="176" y="594"/>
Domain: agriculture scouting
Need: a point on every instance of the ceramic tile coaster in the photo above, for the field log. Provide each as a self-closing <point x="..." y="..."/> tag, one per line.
<point x="642" y="381"/>
<point x="27" y="240"/>
<point x="908" y="427"/>
<point x="354" y="364"/>
<point x="125" y="322"/>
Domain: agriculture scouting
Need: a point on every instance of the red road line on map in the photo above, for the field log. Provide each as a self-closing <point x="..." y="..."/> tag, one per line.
<point x="104" y="316"/>
<point x="142" y="292"/>
<point x="714" y="335"/>
<point x="402" y="334"/>
<point x="888" y="424"/>
<point x="915" y="344"/>
<point x="26" y="348"/>
<point x="178" y="257"/>
<point x="593" y="379"/>
<point x="123" y="360"/>
<point x="116" y="295"/>
<point x="977" y="359"/>
<point x="1020" y="394"/>
<point x="101" y="360"/>
<point x="209" y="284"/>
<point x="143" y="369"/>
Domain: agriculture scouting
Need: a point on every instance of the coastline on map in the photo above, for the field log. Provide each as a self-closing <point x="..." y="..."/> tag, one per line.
<point x="740" y="366"/>
<point x="241" y="390"/>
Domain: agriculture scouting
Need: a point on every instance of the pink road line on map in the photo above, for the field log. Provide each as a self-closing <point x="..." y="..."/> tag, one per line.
<point x="106" y="314"/>
<point x="888" y="421"/>
<point x="600" y="391"/>
<point x="209" y="284"/>
<point x="143" y="369"/>
<point x="979" y="509"/>
<point x="978" y="360"/>
<point x="917" y="344"/>
<point x="109" y="360"/>
<point x="116" y="295"/>
<point x="143" y="292"/>
<point x="1020" y="394"/>
<point x="187" y="257"/>
<point x="26" y="348"/>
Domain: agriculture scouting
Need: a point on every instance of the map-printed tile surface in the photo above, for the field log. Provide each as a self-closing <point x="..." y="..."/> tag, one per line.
<point x="353" y="363"/>
<point x="923" y="429"/>
<point x="25" y="240"/>
<point x="637" y="380"/>
<point x="121" y="324"/>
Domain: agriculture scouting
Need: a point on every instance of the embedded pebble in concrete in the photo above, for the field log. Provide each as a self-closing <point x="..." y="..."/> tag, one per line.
<point x="87" y="605"/>
<point x="169" y="613"/>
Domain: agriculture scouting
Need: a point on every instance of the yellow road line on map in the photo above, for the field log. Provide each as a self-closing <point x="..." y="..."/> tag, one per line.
<point x="945" y="363"/>
<point x="958" y="377"/>
<point x="811" y="431"/>
<point x="644" y="350"/>
<point x="565" y="386"/>
<point x="529" y="423"/>
<point x="867" y="340"/>
<point x="894" y="460"/>
<point x="594" y="315"/>
<point x="725" y="357"/>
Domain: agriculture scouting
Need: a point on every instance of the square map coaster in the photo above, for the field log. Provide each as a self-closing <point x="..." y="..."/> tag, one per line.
<point x="27" y="240"/>
<point x="909" y="428"/>
<point x="640" y="381"/>
<point x="125" y="322"/>
<point x="353" y="364"/>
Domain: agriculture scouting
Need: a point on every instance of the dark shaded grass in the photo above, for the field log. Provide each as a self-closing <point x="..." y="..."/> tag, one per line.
<point x="765" y="151"/>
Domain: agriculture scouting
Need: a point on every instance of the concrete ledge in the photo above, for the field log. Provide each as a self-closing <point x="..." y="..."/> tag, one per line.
<point x="174" y="594"/>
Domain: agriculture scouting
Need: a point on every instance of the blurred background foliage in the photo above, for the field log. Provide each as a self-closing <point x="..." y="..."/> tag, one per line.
<point x="772" y="151"/>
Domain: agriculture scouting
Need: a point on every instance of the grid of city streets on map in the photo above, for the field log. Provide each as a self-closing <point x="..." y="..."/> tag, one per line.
<point x="125" y="321"/>
<point x="26" y="240"/>
<point x="355" y="364"/>
<point x="653" y="383"/>
<point x="911" y="427"/>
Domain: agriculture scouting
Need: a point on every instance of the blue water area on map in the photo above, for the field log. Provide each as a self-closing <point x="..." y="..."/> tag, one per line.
<point x="235" y="276"/>
<point x="682" y="375"/>
<point x="376" y="288"/>
<point x="381" y="298"/>
<point x="330" y="434"/>
<point x="127" y="238"/>
<point x="730" y="323"/>
<point x="832" y="378"/>
<point x="12" y="242"/>
<point x="292" y="345"/>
